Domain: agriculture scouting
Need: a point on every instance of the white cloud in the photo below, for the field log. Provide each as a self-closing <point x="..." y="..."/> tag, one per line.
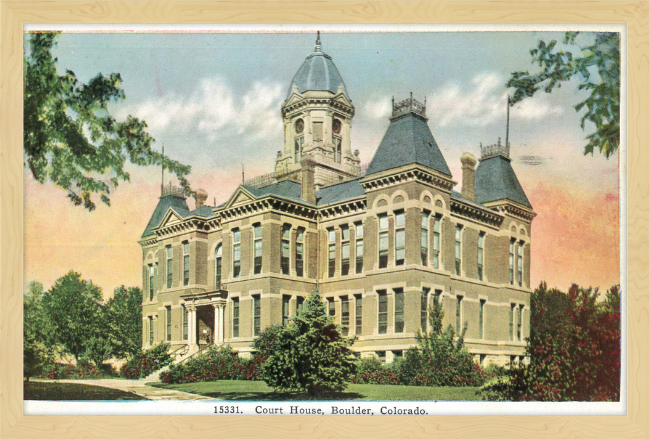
<point x="483" y="102"/>
<point x="377" y="108"/>
<point x="213" y="109"/>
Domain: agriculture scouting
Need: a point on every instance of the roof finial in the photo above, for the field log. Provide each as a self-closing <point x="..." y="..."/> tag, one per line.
<point x="318" y="47"/>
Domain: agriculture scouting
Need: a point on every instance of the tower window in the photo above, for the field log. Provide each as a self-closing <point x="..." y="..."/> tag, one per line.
<point x="383" y="241"/>
<point x="337" y="150"/>
<point x="257" y="243"/>
<point x="345" y="250"/>
<point x="297" y="153"/>
<point x="400" y="238"/>
<point x="317" y="131"/>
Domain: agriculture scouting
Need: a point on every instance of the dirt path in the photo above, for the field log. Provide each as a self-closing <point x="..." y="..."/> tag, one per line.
<point x="140" y="388"/>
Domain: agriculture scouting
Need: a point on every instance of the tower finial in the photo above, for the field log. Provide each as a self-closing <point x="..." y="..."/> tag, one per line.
<point x="318" y="46"/>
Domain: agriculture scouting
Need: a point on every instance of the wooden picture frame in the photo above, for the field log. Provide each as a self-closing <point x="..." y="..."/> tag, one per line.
<point x="635" y="14"/>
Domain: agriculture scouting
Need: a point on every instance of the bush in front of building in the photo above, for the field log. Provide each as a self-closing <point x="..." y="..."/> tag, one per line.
<point x="145" y="363"/>
<point x="84" y="369"/>
<point x="382" y="376"/>
<point x="574" y="349"/>
<point x="310" y="354"/>
<point x="217" y="363"/>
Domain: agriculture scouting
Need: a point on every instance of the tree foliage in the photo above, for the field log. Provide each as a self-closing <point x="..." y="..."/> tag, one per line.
<point x="124" y="321"/>
<point x="39" y="346"/>
<point x="310" y="354"/>
<point x="598" y="67"/>
<point x="71" y="139"/>
<point x="574" y="349"/>
<point x="74" y="308"/>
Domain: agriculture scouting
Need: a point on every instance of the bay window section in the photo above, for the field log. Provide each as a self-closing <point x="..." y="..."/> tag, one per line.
<point x="345" y="250"/>
<point x="257" y="244"/>
<point x="400" y="238"/>
<point x="383" y="241"/>
<point x="236" y="252"/>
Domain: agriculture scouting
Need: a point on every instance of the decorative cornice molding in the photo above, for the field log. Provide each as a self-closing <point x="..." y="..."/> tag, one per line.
<point x="476" y="213"/>
<point x="343" y="209"/>
<point x="414" y="173"/>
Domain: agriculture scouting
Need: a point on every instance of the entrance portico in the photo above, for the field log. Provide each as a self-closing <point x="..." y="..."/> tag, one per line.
<point x="205" y="319"/>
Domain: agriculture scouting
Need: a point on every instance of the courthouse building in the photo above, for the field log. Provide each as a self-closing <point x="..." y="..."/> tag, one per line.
<point x="381" y="245"/>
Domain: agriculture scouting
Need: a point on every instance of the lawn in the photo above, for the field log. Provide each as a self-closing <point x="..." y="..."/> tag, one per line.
<point x="259" y="391"/>
<point x="46" y="391"/>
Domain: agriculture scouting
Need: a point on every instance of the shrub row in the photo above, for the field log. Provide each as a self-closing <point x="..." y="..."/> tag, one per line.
<point x="83" y="370"/>
<point x="215" y="364"/>
<point x="145" y="363"/>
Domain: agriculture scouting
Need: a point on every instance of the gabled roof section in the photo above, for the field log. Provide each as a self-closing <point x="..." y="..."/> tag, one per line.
<point x="177" y="204"/>
<point x="340" y="192"/>
<point x="408" y="140"/>
<point x="496" y="180"/>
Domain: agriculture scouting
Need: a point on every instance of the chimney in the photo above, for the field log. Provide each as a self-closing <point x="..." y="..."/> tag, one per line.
<point x="200" y="197"/>
<point x="308" y="192"/>
<point x="468" y="161"/>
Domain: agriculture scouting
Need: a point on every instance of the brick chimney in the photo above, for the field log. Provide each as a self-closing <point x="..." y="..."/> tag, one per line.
<point x="308" y="192"/>
<point x="468" y="161"/>
<point x="200" y="197"/>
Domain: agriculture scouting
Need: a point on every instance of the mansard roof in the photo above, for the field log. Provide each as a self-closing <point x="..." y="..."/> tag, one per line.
<point x="284" y="189"/>
<point x="496" y="180"/>
<point x="179" y="206"/>
<point x="408" y="140"/>
<point x="340" y="192"/>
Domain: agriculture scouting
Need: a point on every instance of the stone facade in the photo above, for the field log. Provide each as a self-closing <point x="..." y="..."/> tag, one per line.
<point x="380" y="247"/>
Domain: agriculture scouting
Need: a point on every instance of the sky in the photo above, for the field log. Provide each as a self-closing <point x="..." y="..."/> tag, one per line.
<point x="213" y="99"/>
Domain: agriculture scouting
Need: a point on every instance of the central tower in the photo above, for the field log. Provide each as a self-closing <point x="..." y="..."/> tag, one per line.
<point x="317" y="116"/>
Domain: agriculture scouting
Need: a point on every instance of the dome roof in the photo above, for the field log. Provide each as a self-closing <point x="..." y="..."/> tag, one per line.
<point x="317" y="73"/>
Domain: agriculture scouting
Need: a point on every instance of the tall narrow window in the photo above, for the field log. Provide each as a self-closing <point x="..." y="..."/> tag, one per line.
<point x="345" y="250"/>
<point x="300" y="251"/>
<point x="382" y="317"/>
<point x="331" y="307"/>
<point x="424" y="238"/>
<point x="481" y="244"/>
<point x="284" y="256"/>
<point x="168" y="313"/>
<point x="400" y="237"/>
<point x="331" y="252"/>
<point x="512" y="321"/>
<point x="399" y="310"/>
<point x="235" y="316"/>
<point x="185" y="322"/>
<point x="257" y="315"/>
<point x="436" y="242"/>
<point x="520" y="264"/>
<point x="217" y="267"/>
<point x="424" y="309"/>
<point x="437" y="296"/>
<point x="457" y="248"/>
<point x="300" y="301"/>
<point x="285" y="309"/>
<point x="151" y="281"/>
<point x="459" y="314"/>
<point x="383" y="241"/>
<point x="186" y="263"/>
<point x="511" y="262"/>
<point x="345" y="316"/>
<point x="236" y="252"/>
<point x="257" y="244"/>
<point x="358" y="252"/>
<point x="150" y="331"/>
<point x="358" y="314"/>
<point x="519" y="323"/>
<point x="298" y="149"/>
<point x="169" y="266"/>
<point x="337" y="150"/>
<point x="481" y="318"/>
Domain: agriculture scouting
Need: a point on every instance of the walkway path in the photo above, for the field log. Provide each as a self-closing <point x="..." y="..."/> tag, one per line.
<point x="140" y="388"/>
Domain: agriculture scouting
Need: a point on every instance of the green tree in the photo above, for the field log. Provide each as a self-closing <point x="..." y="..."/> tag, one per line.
<point x="74" y="307"/>
<point x="310" y="354"/>
<point x="124" y="321"/>
<point x="39" y="345"/>
<point x="598" y="67"/>
<point x="71" y="139"/>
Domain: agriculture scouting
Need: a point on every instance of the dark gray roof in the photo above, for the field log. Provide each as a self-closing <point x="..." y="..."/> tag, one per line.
<point x="178" y="204"/>
<point x="458" y="196"/>
<point x="203" y="211"/>
<point x="317" y="72"/>
<point x="284" y="189"/>
<point x="496" y="180"/>
<point x="408" y="140"/>
<point x="339" y="192"/>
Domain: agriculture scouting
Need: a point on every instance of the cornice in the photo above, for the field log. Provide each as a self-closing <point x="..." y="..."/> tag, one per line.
<point x="416" y="172"/>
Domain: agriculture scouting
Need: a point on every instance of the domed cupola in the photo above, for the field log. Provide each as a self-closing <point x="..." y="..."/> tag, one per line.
<point x="317" y="73"/>
<point x="317" y="116"/>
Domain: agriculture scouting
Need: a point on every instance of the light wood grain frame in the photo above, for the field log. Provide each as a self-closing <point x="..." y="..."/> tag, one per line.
<point x="15" y="13"/>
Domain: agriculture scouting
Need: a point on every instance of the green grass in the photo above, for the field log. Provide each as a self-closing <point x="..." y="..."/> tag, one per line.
<point x="259" y="391"/>
<point x="44" y="391"/>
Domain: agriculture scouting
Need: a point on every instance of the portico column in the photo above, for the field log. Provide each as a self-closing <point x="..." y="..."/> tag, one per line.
<point x="191" y="323"/>
<point x="217" y="319"/>
<point x="222" y="307"/>
<point x="219" y="306"/>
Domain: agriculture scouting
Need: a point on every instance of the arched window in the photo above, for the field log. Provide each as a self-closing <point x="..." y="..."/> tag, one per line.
<point x="217" y="265"/>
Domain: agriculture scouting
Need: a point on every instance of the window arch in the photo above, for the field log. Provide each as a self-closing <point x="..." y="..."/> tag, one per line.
<point x="217" y="266"/>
